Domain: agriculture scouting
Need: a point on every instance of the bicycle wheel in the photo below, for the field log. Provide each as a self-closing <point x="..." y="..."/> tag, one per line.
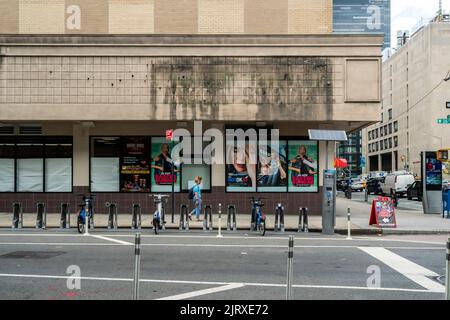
<point x="262" y="228"/>
<point x="156" y="225"/>
<point x="80" y="225"/>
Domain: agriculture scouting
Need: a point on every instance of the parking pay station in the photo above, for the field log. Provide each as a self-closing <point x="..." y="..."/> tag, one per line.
<point x="329" y="202"/>
<point x="329" y="178"/>
<point x="432" y="183"/>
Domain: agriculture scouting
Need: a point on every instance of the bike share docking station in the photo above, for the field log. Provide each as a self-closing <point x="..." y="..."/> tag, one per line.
<point x="41" y="215"/>
<point x="231" y="218"/>
<point x="184" y="218"/>
<point x="279" y="218"/>
<point x="65" y="216"/>
<point x="207" y="223"/>
<point x="136" y="216"/>
<point x="111" y="211"/>
<point x="17" y="220"/>
<point x="303" y="220"/>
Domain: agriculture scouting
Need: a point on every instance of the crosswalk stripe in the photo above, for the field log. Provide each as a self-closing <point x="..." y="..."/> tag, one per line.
<point x="409" y="269"/>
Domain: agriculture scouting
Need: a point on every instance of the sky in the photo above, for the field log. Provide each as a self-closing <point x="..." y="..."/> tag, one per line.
<point x="405" y="14"/>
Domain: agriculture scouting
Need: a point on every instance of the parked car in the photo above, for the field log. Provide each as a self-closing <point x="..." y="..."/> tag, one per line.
<point x="341" y="184"/>
<point x="400" y="182"/>
<point x="415" y="191"/>
<point x="374" y="185"/>
<point x="357" y="185"/>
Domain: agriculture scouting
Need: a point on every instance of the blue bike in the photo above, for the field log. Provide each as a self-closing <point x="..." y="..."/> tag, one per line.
<point x="258" y="216"/>
<point x="87" y="209"/>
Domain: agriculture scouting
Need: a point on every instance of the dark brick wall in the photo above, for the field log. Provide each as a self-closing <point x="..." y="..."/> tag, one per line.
<point x="291" y="201"/>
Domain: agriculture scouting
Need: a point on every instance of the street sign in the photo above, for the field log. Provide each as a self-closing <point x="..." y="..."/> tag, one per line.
<point x="382" y="213"/>
<point x="444" y="121"/>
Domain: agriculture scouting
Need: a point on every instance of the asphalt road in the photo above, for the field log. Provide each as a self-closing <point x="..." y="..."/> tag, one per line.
<point x="403" y="203"/>
<point x="197" y="265"/>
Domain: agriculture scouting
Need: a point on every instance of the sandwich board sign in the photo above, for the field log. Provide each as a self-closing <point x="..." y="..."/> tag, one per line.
<point x="382" y="213"/>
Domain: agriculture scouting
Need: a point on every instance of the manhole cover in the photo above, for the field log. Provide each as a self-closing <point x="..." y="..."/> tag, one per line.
<point x="32" y="254"/>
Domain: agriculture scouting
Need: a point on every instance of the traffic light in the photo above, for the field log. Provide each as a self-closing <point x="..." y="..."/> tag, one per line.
<point x="442" y="155"/>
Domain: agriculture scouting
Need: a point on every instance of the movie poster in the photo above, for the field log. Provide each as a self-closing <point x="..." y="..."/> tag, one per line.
<point x="272" y="168"/>
<point x="162" y="165"/>
<point x="303" y="166"/>
<point x="135" y="165"/>
<point x="241" y="173"/>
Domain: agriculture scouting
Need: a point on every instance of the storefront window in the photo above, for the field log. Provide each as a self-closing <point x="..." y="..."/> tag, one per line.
<point x="190" y="171"/>
<point x="7" y="164"/>
<point x="105" y="163"/>
<point x="30" y="165"/>
<point x="58" y="165"/>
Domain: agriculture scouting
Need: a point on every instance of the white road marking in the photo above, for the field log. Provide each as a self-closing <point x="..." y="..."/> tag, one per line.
<point x="203" y="292"/>
<point x="121" y="243"/>
<point x="112" y="240"/>
<point x="409" y="269"/>
<point x="253" y="284"/>
<point x="229" y="236"/>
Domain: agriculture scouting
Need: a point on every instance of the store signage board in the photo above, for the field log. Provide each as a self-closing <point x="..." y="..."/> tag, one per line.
<point x="382" y="213"/>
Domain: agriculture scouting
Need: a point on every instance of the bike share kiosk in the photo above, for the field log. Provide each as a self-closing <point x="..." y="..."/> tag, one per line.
<point x="329" y="178"/>
<point x="329" y="202"/>
<point x="432" y="183"/>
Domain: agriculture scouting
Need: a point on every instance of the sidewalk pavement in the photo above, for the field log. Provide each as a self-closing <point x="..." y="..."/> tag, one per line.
<point x="408" y="221"/>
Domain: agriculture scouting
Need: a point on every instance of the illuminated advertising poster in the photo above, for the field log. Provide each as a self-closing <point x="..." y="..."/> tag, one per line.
<point x="161" y="166"/>
<point x="241" y="173"/>
<point x="302" y="166"/>
<point x="134" y="165"/>
<point x="272" y="168"/>
<point x="433" y="172"/>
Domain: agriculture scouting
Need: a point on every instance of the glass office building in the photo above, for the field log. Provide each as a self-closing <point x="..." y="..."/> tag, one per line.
<point x="363" y="16"/>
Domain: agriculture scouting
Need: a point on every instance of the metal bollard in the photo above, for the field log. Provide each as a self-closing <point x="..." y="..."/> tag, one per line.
<point x="65" y="216"/>
<point x="447" y="275"/>
<point x="366" y="195"/>
<point x="17" y="220"/>
<point x="349" y="224"/>
<point x="231" y="223"/>
<point x="184" y="219"/>
<point x="136" y="216"/>
<point x="137" y="265"/>
<point x="290" y="272"/>
<point x="41" y="216"/>
<point x="279" y="218"/>
<point x="219" y="235"/>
